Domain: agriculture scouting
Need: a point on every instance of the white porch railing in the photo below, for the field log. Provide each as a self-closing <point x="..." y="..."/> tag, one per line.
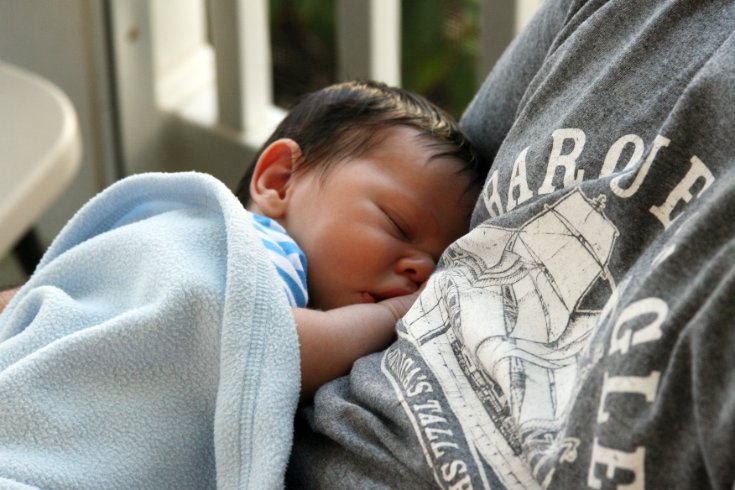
<point x="184" y="103"/>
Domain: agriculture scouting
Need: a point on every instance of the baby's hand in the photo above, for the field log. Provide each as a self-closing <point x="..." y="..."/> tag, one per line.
<point x="399" y="305"/>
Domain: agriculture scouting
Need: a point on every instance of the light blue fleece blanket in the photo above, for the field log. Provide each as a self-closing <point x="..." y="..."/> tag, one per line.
<point x="152" y="348"/>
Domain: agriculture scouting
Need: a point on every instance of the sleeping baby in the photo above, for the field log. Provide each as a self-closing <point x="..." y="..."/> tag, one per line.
<point x="371" y="183"/>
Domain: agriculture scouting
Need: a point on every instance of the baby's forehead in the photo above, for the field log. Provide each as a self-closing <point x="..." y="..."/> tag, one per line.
<point x="406" y="144"/>
<point x="439" y="152"/>
<point x="427" y="141"/>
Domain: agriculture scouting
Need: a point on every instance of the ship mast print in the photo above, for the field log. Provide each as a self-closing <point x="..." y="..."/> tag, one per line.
<point x="509" y="308"/>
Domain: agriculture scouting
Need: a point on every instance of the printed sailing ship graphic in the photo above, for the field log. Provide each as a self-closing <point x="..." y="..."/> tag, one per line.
<point x="507" y="317"/>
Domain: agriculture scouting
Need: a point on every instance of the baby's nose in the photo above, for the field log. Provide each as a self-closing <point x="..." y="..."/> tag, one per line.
<point x="417" y="267"/>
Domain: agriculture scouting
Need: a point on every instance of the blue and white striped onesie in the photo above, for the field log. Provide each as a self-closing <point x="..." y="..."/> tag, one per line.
<point x="289" y="259"/>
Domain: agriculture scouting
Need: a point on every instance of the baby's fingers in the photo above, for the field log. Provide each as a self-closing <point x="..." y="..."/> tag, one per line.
<point x="399" y="305"/>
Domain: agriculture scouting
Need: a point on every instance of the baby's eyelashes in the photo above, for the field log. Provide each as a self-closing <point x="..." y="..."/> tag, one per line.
<point x="399" y="225"/>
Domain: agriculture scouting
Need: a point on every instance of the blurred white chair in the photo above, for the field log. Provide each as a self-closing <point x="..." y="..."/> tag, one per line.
<point x="40" y="152"/>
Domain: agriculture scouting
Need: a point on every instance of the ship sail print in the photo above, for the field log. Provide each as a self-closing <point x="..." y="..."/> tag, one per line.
<point x="506" y="316"/>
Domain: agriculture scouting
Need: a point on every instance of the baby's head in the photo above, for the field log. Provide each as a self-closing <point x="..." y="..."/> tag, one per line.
<point x="373" y="183"/>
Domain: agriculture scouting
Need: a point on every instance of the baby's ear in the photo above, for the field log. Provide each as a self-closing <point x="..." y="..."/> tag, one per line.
<point x="272" y="176"/>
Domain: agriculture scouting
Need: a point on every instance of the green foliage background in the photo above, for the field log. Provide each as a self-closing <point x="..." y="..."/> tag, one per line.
<point x="440" y="41"/>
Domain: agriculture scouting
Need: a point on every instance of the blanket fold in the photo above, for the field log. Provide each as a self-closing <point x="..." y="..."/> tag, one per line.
<point x="152" y="348"/>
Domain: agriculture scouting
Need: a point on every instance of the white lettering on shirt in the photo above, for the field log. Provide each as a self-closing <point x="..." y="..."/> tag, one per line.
<point x="567" y="161"/>
<point x="616" y="150"/>
<point x="682" y="192"/>
<point x="492" y="199"/>
<point x="658" y="143"/>
<point x="623" y="468"/>
<point x="652" y="331"/>
<point x="643" y="385"/>
<point x="614" y="462"/>
<point x="441" y="445"/>
<point x="518" y="181"/>
<point x="626" y="185"/>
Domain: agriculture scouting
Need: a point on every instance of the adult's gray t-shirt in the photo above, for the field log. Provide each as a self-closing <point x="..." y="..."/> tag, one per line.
<point x="583" y="333"/>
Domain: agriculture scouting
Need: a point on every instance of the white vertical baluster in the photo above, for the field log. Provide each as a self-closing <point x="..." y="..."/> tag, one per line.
<point x="368" y="40"/>
<point x="140" y="123"/>
<point x="243" y="57"/>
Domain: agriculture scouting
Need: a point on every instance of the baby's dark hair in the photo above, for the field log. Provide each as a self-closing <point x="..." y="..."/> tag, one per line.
<point x="346" y="119"/>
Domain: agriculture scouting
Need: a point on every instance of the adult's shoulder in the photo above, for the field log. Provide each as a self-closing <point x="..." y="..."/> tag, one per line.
<point x="491" y="113"/>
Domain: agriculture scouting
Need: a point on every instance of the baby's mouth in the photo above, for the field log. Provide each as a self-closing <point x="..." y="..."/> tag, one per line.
<point x="366" y="297"/>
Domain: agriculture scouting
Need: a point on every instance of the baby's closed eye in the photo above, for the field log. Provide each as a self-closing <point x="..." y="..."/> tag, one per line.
<point x="398" y="224"/>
